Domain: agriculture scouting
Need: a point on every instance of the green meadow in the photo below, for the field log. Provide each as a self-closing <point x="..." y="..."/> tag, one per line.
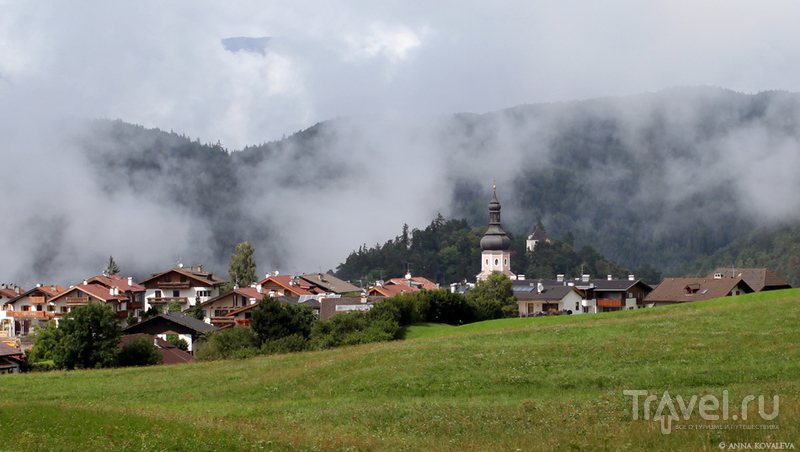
<point x="551" y="383"/>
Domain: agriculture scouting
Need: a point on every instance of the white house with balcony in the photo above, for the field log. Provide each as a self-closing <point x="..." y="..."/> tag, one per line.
<point x="186" y="285"/>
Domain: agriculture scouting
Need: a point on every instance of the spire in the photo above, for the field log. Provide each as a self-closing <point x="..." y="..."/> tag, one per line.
<point x="495" y="237"/>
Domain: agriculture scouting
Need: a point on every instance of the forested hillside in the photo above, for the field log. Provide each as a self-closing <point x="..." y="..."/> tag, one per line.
<point x="668" y="178"/>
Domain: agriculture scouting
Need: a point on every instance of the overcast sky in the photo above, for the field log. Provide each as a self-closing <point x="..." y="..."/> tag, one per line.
<point x="162" y="64"/>
<point x="166" y="65"/>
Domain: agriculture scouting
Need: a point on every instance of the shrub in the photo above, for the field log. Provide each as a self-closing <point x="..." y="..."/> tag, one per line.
<point x="224" y="343"/>
<point x="177" y="341"/>
<point x="140" y="352"/>
<point x="287" y="344"/>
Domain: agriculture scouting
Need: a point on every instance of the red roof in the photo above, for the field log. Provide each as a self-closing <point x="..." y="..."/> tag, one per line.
<point x="417" y="282"/>
<point x="95" y="290"/>
<point x="117" y="281"/>
<point x="391" y="290"/>
<point x="296" y="285"/>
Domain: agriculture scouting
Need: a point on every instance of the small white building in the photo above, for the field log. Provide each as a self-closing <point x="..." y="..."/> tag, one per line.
<point x="186" y="285"/>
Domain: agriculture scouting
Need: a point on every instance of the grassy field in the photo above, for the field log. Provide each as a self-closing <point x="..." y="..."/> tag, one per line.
<point x="553" y="383"/>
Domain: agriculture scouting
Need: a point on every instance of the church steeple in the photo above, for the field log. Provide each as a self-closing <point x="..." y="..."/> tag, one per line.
<point x="495" y="244"/>
<point x="495" y="237"/>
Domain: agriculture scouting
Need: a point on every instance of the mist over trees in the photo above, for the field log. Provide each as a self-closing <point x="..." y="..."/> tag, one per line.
<point x="666" y="179"/>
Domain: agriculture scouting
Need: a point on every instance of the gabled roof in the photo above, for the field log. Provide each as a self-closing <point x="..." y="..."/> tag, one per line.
<point x="206" y="278"/>
<point x="6" y="350"/>
<point x="178" y="318"/>
<point x="390" y="290"/>
<point x="170" y="354"/>
<point x="538" y="234"/>
<point x="9" y="293"/>
<point x="548" y="293"/>
<point x="46" y="291"/>
<point x="679" y="290"/>
<point x="759" y="279"/>
<point x="95" y="290"/>
<point x="248" y="292"/>
<point x="297" y="286"/>
<point x="330" y="283"/>
<point x="417" y="282"/>
<point x="117" y="281"/>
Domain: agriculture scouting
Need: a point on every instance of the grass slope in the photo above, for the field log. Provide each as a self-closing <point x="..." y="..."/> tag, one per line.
<point x="518" y="384"/>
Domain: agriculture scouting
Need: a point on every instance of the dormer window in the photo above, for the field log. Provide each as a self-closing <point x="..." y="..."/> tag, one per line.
<point x="717" y="275"/>
<point x="692" y="289"/>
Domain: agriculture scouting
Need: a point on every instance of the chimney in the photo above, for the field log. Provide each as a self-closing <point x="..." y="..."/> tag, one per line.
<point x="85" y="282"/>
<point x="520" y="277"/>
<point x="610" y="277"/>
<point x="199" y="268"/>
<point x="585" y="278"/>
<point x="631" y="278"/>
<point x="258" y="288"/>
<point x="16" y="289"/>
<point x="130" y="281"/>
<point x="272" y="293"/>
<point x="560" y="278"/>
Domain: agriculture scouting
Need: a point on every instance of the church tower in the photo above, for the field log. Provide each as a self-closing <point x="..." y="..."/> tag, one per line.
<point x="495" y="244"/>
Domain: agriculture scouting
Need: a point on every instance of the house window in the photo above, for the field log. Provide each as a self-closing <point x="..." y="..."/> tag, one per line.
<point x="64" y="309"/>
<point x="505" y="262"/>
<point x="167" y="279"/>
<point x="176" y="293"/>
<point x="51" y="308"/>
<point x="158" y="294"/>
<point x="497" y="262"/>
<point x="577" y="305"/>
<point x="26" y="308"/>
<point x="205" y="313"/>
<point x="183" y="278"/>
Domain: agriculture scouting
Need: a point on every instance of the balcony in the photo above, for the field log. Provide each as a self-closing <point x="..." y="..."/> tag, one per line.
<point x="609" y="303"/>
<point x="77" y="301"/>
<point x="37" y="300"/>
<point x="30" y="314"/>
<point x="167" y="300"/>
<point x="174" y="285"/>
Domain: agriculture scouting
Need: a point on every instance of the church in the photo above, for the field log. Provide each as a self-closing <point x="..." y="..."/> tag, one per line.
<point x="495" y="245"/>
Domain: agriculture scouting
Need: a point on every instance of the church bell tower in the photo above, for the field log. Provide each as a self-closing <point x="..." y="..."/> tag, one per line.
<point x="495" y="244"/>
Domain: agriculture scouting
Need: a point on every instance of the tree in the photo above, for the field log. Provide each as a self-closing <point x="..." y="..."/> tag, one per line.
<point x="494" y="297"/>
<point x="196" y="311"/>
<point x="272" y="320"/>
<point x="111" y="267"/>
<point x="45" y="342"/>
<point x="177" y="341"/>
<point x="242" y="268"/>
<point x="140" y="352"/>
<point x="90" y="337"/>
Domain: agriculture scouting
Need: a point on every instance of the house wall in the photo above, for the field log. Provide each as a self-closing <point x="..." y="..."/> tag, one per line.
<point x="568" y="303"/>
<point x="191" y="295"/>
<point x="229" y="302"/>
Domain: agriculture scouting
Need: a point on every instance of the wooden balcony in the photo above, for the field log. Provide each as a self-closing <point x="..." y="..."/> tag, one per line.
<point x="30" y="314"/>
<point x="174" y="285"/>
<point x="77" y="301"/>
<point x="167" y="300"/>
<point x="609" y="303"/>
<point x="37" y="300"/>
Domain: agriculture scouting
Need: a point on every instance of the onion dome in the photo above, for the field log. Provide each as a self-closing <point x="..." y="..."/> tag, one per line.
<point x="495" y="238"/>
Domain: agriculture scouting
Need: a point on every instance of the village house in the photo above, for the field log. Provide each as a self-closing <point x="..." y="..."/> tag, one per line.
<point x="216" y="310"/>
<point x="682" y="290"/>
<point x="538" y="235"/>
<point x="132" y="291"/>
<point x="241" y="316"/>
<point x="535" y="298"/>
<point x="11" y="359"/>
<point x="186" y="327"/>
<point x="396" y="286"/>
<point x="185" y="285"/>
<point x="599" y="295"/>
<point x="330" y="284"/>
<point x="7" y="293"/>
<point x="759" y="279"/>
<point x="86" y="293"/>
<point x="287" y="286"/>
<point x="32" y="308"/>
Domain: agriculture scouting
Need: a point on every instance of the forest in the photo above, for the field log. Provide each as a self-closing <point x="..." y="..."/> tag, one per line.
<point x="683" y="180"/>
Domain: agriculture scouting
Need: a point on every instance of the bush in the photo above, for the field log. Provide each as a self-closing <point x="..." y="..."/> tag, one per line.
<point x="224" y="343"/>
<point x="287" y="344"/>
<point x="140" y="352"/>
<point x="176" y="340"/>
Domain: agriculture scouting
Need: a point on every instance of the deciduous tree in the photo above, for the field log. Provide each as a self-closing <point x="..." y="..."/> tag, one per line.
<point x="90" y="337"/>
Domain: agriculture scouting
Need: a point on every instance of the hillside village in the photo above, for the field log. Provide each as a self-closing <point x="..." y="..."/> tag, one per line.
<point x="189" y="302"/>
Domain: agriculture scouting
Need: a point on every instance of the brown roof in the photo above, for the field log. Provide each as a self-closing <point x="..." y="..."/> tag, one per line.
<point x="390" y="290"/>
<point x="418" y="282"/>
<point x="328" y="306"/>
<point x="297" y="286"/>
<point x="95" y="290"/>
<point x="249" y="292"/>
<point x="759" y="279"/>
<point x="330" y="283"/>
<point x="679" y="290"/>
<point x="6" y="350"/>
<point x="206" y="278"/>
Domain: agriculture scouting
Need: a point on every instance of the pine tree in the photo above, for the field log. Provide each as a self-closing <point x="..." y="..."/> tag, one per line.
<point x="111" y="267"/>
